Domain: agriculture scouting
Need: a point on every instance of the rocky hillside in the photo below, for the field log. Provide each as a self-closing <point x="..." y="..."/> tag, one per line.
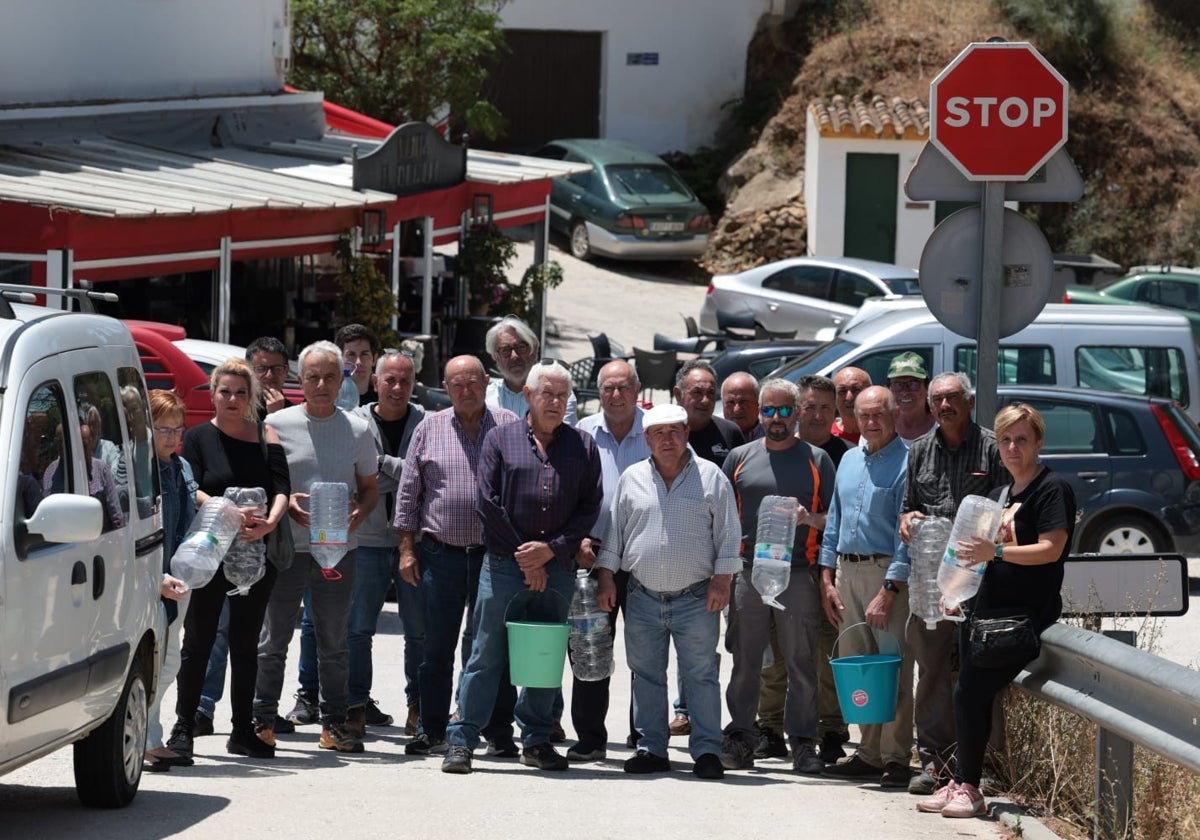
<point x="1134" y="122"/>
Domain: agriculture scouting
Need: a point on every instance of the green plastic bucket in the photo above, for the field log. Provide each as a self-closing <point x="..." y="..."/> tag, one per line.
<point x="537" y="650"/>
<point x="868" y="685"/>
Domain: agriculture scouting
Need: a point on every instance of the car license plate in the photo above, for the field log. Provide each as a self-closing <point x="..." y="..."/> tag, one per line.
<point x="666" y="227"/>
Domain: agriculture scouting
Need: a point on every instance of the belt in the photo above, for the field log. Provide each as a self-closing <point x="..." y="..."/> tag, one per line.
<point x="465" y="549"/>
<point x="861" y="558"/>
<point x="695" y="589"/>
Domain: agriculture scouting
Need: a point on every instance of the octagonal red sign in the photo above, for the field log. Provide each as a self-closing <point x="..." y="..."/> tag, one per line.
<point x="998" y="111"/>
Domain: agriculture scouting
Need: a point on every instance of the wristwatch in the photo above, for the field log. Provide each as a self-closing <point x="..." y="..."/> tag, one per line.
<point x="999" y="551"/>
<point x="890" y="586"/>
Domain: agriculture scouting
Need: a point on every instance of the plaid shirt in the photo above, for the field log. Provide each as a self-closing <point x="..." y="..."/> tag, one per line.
<point x="437" y="486"/>
<point x="527" y="497"/>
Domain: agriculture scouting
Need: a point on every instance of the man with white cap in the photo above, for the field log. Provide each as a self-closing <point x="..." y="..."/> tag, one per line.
<point x="674" y="527"/>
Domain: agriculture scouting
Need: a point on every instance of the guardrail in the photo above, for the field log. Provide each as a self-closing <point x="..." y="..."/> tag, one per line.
<point x="1132" y="697"/>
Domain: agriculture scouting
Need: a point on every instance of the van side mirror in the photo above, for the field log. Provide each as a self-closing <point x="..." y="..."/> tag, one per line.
<point x="61" y="518"/>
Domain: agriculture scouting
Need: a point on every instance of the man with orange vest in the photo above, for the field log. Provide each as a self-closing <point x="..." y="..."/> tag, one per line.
<point x="779" y="464"/>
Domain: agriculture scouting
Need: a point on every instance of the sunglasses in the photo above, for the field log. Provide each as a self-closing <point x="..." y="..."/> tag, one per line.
<point x="906" y="385"/>
<point x="784" y="411"/>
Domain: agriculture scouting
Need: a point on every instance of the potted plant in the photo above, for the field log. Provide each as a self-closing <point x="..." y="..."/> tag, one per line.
<point x="483" y="260"/>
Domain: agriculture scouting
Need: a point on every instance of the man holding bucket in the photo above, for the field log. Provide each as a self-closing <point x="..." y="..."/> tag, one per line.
<point x="673" y="526"/>
<point x="539" y="495"/>
<point x="862" y="548"/>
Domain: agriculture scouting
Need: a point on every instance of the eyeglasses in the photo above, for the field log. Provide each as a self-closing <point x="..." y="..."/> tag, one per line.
<point x="168" y="432"/>
<point x="609" y="390"/>
<point x="784" y="411"/>
<point x="521" y="348"/>
<point x="262" y="370"/>
<point x="906" y="384"/>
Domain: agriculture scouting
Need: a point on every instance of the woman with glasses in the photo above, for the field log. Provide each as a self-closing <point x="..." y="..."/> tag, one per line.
<point x="231" y="450"/>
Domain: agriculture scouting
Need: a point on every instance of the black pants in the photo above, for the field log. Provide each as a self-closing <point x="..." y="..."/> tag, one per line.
<point x="246" y="613"/>
<point x="974" y="697"/>
<point x="589" y="699"/>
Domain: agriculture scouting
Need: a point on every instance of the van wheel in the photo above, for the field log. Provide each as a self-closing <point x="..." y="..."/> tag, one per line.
<point x="581" y="248"/>
<point x="1126" y="534"/>
<point x="108" y="762"/>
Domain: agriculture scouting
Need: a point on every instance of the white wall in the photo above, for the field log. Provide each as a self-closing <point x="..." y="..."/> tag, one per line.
<point x="86" y="50"/>
<point x="825" y="194"/>
<point x="701" y="46"/>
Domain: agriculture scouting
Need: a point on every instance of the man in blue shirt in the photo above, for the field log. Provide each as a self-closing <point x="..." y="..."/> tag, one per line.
<point x="864" y="569"/>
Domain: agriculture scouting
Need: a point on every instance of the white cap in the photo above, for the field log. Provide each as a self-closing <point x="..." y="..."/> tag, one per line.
<point x="664" y="415"/>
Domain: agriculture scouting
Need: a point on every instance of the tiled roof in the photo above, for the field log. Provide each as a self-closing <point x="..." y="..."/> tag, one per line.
<point x="880" y="118"/>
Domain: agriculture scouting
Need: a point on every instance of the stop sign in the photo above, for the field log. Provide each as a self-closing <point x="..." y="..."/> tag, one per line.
<point x="998" y="111"/>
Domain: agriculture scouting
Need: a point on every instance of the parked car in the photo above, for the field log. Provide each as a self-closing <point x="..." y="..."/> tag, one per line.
<point x="758" y="358"/>
<point x="804" y="294"/>
<point x="79" y="568"/>
<point x="630" y="205"/>
<point x="1134" y="463"/>
<point x="1173" y="288"/>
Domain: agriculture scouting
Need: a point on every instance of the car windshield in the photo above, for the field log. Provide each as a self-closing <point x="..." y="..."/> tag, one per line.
<point x="903" y="285"/>
<point x="816" y="361"/>
<point x="654" y="184"/>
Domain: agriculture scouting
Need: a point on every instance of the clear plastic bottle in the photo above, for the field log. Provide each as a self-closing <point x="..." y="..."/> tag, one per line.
<point x="591" y="641"/>
<point x="347" y="398"/>
<point x="773" y="541"/>
<point x="245" y="562"/>
<point x="925" y="549"/>
<point x="977" y="517"/>
<point x="329" y="513"/>
<point x="213" y="530"/>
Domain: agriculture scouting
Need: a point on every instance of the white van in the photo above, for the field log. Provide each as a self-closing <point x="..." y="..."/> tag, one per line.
<point x="1128" y="349"/>
<point x="80" y="545"/>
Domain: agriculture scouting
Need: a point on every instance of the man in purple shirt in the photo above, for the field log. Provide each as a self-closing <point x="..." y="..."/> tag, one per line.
<point x="539" y="495"/>
<point x="436" y="503"/>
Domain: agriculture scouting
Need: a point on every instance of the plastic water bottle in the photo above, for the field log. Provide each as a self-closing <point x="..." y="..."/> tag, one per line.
<point x="245" y="562"/>
<point x="214" y="529"/>
<point x="329" y="515"/>
<point x="977" y="517"/>
<point x="774" y="538"/>
<point x="347" y="398"/>
<point x="591" y="641"/>
<point x="925" y="549"/>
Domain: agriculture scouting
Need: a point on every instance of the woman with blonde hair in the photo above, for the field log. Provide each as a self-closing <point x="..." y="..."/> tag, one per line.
<point x="232" y="450"/>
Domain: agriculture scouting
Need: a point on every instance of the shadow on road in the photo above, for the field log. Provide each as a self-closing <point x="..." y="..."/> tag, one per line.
<point x="30" y="811"/>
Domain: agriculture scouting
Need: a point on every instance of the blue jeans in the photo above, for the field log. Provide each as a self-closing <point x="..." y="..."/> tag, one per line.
<point x="652" y="622"/>
<point x="501" y="580"/>
<point x="375" y="570"/>
<point x="214" y="674"/>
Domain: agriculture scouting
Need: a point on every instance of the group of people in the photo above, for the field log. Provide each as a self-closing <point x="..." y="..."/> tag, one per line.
<point x="507" y="493"/>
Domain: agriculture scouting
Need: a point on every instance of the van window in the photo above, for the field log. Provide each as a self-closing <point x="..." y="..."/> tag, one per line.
<point x="1146" y="371"/>
<point x="1014" y="365"/>
<point x="108" y="477"/>
<point x="42" y="442"/>
<point x="141" y="439"/>
<point x="808" y="280"/>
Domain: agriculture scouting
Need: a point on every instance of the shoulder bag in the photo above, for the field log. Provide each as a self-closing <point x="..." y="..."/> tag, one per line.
<point x="1002" y="637"/>
<point x="279" y="543"/>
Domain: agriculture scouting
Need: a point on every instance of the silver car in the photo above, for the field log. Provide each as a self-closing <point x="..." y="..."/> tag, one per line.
<point x="805" y="294"/>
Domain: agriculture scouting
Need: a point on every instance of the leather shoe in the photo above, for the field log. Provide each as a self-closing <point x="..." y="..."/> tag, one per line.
<point x="647" y="762"/>
<point x="854" y="767"/>
<point x="896" y="775"/>
<point x="680" y="725"/>
<point x="708" y="766"/>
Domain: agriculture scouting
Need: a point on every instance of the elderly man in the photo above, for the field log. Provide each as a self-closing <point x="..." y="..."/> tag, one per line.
<point x="848" y="383"/>
<point x="436" y="504"/>
<point x="739" y="403"/>
<point x="360" y="347"/>
<point x="617" y="429"/>
<point x="514" y="346"/>
<point x="674" y="529"/>
<point x="864" y="569"/>
<point x="539" y="495"/>
<point x="778" y="465"/>
<point x="959" y="459"/>
<point x="322" y="444"/>
<point x="908" y="380"/>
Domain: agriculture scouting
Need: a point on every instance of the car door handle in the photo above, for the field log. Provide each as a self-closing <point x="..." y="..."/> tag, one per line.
<point x="97" y="577"/>
<point x="1090" y="475"/>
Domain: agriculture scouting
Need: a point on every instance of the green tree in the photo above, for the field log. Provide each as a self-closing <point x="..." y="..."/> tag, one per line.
<point x="400" y="60"/>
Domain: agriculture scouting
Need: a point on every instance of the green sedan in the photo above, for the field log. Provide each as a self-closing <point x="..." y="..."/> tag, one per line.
<point x="1171" y="288"/>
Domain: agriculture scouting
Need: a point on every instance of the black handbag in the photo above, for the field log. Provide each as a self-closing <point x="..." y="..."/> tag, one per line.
<point x="1003" y="640"/>
<point x="281" y="548"/>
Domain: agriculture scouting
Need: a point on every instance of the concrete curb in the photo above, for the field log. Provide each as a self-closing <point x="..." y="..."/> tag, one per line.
<point x="1012" y="815"/>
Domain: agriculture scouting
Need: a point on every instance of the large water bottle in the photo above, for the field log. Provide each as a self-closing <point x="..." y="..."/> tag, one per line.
<point x="213" y="530"/>
<point x="774" y="538"/>
<point x="925" y="549"/>
<point x="591" y="641"/>
<point x="347" y="398"/>
<point x="329" y="522"/>
<point x="245" y="562"/>
<point x="977" y="517"/>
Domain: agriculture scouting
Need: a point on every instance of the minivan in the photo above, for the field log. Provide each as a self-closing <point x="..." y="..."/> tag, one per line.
<point x="81" y="544"/>
<point x="1129" y="350"/>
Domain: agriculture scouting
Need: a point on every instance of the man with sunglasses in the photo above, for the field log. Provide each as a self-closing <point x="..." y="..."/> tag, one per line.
<point x="514" y="347"/>
<point x="908" y="381"/>
<point x="778" y="465"/>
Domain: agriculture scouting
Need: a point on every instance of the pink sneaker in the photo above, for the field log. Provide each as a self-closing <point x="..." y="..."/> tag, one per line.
<point x="966" y="802"/>
<point x="941" y="797"/>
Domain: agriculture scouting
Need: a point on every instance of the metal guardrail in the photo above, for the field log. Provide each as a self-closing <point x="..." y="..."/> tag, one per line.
<point x="1132" y="697"/>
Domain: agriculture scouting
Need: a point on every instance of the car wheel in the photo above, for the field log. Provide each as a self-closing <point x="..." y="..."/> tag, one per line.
<point x="108" y="762"/>
<point x="581" y="248"/>
<point x="1126" y="534"/>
